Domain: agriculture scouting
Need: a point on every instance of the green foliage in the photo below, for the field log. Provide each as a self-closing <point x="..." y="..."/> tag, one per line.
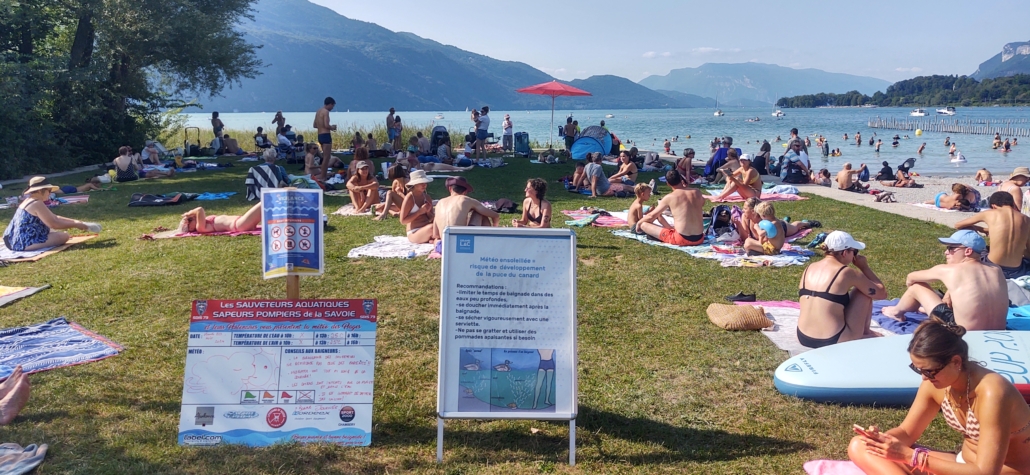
<point x="80" y="78"/>
<point x="928" y="91"/>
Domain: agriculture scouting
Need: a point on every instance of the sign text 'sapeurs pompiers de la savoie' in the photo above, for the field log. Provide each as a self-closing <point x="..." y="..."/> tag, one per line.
<point x="265" y="371"/>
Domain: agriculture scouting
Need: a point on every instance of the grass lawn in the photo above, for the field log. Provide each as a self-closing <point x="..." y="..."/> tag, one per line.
<point x="662" y="389"/>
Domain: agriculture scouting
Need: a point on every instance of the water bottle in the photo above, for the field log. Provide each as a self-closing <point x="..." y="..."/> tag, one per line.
<point x="411" y="254"/>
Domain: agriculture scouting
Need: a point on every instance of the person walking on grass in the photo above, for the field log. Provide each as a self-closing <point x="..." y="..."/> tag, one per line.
<point x="325" y="133"/>
<point x="507" y="144"/>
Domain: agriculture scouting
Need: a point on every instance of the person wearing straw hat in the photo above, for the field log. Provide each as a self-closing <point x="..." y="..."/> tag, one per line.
<point x="461" y="210"/>
<point x="417" y="214"/>
<point x="32" y="226"/>
<point x="1014" y="186"/>
<point x="363" y="187"/>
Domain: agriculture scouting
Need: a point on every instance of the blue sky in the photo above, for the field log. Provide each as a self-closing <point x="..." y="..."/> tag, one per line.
<point x="892" y="40"/>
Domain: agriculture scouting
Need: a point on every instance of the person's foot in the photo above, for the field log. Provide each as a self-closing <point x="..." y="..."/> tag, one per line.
<point x="11" y="381"/>
<point x="894" y="313"/>
<point x="15" y="401"/>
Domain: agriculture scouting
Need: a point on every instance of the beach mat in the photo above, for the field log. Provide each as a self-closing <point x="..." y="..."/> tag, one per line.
<point x="350" y="210"/>
<point x="930" y="206"/>
<point x="54" y="344"/>
<point x="8" y="255"/>
<point x="735" y="198"/>
<point x="832" y="467"/>
<point x="174" y="233"/>
<point x="729" y="256"/>
<point x="12" y="294"/>
<point x="390" y="247"/>
<point x="784" y="334"/>
<point x="912" y="319"/>
<point x="67" y="200"/>
<point x="601" y="221"/>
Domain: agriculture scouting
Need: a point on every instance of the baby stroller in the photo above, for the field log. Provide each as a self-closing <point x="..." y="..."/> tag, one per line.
<point x="439" y="136"/>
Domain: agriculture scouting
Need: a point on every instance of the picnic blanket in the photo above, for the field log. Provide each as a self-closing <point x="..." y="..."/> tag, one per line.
<point x="349" y="210"/>
<point x="53" y="344"/>
<point x="12" y="294"/>
<point x="214" y="196"/>
<point x="8" y="255"/>
<point x="391" y="246"/>
<point x="601" y="221"/>
<point x="735" y="197"/>
<point x="730" y="256"/>
<point x="784" y="334"/>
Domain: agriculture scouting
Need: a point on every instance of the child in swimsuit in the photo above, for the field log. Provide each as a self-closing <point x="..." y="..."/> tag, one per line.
<point x="636" y="210"/>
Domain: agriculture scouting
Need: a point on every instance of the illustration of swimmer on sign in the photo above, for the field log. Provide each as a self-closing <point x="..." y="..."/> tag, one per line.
<point x="506" y="380"/>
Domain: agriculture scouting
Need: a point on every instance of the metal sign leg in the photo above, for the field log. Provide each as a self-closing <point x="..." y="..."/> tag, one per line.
<point x="439" y="440"/>
<point x="572" y="443"/>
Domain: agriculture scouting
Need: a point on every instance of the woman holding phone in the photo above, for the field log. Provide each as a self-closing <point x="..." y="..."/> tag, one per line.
<point x="980" y="404"/>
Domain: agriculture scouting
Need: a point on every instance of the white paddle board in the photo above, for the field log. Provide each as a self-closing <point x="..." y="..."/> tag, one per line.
<point x="875" y="370"/>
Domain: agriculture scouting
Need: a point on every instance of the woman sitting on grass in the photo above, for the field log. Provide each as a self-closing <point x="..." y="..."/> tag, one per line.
<point x="196" y="220"/>
<point x="541" y="218"/>
<point x="982" y="405"/>
<point x="417" y="212"/>
<point x="363" y="187"/>
<point x="743" y="181"/>
<point x="393" y="197"/>
<point x="127" y="167"/>
<point x="627" y="174"/>
<point x="360" y="155"/>
<point x="31" y="227"/>
<point x="836" y="299"/>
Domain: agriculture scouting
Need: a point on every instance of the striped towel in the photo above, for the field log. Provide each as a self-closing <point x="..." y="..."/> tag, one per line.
<point x="601" y="221"/>
<point x="54" y="344"/>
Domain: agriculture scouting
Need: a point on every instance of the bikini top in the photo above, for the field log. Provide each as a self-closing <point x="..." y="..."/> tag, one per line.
<point x="842" y="299"/>
<point x="972" y="428"/>
<point x="539" y="217"/>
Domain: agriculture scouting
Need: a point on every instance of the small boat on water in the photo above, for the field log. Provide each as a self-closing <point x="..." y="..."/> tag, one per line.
<point x="918" y="113"/>
<point x="778" y="113"/>
<point x="609" y="116"/>
<point x="438" y="116"/>
<point x="753" y="119"/>
<point x="718" y="111"/>
<point x="946" y="111"/>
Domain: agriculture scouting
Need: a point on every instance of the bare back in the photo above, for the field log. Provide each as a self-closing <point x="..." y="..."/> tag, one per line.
<point x="454" y="210"/>
<point x="687" y="206"/>
<point x="1009" y="232"/>
<point x="322" y="121"/>
<point x="1013" y="189"/>
<point x="979" y="295"/>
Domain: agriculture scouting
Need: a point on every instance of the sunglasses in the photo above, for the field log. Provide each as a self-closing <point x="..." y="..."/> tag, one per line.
<point x="929" y="373"/>
<point x="952" y="249"/>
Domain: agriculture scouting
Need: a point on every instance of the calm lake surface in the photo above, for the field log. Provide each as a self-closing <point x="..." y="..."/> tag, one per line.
<point x="649" y="128"/>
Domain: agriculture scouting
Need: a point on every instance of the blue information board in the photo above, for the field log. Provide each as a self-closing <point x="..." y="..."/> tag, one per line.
<point x="292" y="241"/>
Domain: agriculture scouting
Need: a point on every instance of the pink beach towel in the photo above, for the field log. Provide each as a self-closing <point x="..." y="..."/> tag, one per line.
<point x="832" y="467"/>
<point x="601" y="222"/>
<point x="734" y="198"/>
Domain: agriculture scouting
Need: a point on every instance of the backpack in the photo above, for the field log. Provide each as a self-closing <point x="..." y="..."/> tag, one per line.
<point x="795" y="174"/>
<point x="721" y="226"/>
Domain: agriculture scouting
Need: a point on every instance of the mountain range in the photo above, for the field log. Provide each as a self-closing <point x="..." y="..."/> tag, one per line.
<point x="759" y="82"/>
<point x="1013" y="59"/>
<point x="310" y="52"/>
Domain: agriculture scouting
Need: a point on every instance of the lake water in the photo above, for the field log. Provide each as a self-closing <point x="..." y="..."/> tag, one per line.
<point x="648" y="129"/>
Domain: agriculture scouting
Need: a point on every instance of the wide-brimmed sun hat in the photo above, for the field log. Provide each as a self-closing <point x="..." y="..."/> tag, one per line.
<point x="1020" y="171"/>
<point x="418" y="177"/>
<point x="38" y="183"/>
<point x="459" y="181"/>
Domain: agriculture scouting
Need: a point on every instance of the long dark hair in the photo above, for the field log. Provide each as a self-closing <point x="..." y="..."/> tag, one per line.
<point x="939" y="338"/>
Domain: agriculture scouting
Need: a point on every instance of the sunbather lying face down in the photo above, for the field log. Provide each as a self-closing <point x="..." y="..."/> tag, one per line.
<point x="197" y="221"/>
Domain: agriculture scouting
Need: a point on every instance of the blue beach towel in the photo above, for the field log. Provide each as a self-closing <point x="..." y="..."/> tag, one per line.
<point x="214" y="196"/>
<point x="907" y="327"/>
<point x="54" y="344"/>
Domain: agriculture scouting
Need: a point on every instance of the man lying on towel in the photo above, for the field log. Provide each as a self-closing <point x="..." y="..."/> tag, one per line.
<point x="197" y="221"/>
<point x="687" y="206"/>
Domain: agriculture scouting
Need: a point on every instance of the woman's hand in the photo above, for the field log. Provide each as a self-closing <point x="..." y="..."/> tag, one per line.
<point x="860" y="261"/>
<point x="888" y="447"/>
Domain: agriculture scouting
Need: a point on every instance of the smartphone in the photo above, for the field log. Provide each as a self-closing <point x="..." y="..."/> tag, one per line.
<point x="861" y="431"/>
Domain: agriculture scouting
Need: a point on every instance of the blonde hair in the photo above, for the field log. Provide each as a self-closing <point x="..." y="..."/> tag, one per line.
<point x="639" y="189"/>
<point x="750" y="203"/>
<point x="270" y="153"/>
<point x="765" y="209"/>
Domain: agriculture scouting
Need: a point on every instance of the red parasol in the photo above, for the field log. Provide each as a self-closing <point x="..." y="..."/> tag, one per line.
<point x="553" y="89"/>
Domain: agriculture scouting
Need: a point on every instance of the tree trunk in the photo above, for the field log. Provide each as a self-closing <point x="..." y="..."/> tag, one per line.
<point x="82" y="47"/>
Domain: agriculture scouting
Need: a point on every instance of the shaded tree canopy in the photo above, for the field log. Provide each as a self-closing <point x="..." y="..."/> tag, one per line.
<point x="80" y="78"/>
<point x="926" y="91"/>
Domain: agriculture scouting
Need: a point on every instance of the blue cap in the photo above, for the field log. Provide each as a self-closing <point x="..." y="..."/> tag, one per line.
<point x="965" y="238"/>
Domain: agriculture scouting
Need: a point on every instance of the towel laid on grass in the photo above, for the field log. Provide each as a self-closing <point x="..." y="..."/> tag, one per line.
<point x="214" y="196"/>
<point x="67" y="200"/>
<point x="832" y="467"/>
<point x="390" y="246"/>
<point x="33" y="256"/>
<point x="16" y="460"/>
<point x="907" y="327"/>
<point x="735" y="197"/>
<point x="174" y="233"/>
<point x="930" y="206"/>
<point x="601" y="221"/>
<point x="54" y="344"/>
<point x="731" y="256"/>
<point x="784" y="334"/>
<point x="12" y="294"/>
<point x="349" y="210"/>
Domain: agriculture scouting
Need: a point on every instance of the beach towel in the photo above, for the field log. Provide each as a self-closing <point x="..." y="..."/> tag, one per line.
<point x="930" y="206"/>
<point x="729" y="256"/>
<point x="391" y="247"/>
<point x="602" y="221"/>
<point x="912" y="319"/>
<point x="1018" y="318"/>
<point x="8" y="255"/>
<point x="16" y="460"/>
<point x="337" y="193"/>
<point x="12" y="294"/>
<point x="214" y="196"/>
<point x="832" y="467"/>
<point x="735" y="197"/>
<point x="143" y="199"/>
<point x="54" y="344"/>
<point x="67" y="200"/>
<point x="349" y="210"/>
<point x="784" y="334"/>
<point x="584" y="221"/>
<point x="174" y="233"/>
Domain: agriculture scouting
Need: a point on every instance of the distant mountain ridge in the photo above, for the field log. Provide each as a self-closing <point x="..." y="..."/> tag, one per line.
<point x="758" y="82"/>
<point x="1013" y="59"/>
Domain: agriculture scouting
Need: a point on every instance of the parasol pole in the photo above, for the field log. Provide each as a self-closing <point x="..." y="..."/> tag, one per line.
<point x="550" y="139"/>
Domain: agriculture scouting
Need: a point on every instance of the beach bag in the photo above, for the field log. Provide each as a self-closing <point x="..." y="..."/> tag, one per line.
<point x="794" y="172"/>
<point x="738" y="317"/>
<point x="721" y="227"/>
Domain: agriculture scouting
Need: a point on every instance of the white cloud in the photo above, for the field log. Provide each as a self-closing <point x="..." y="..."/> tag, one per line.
<point x="650" y="54"/>
<point x="666" y="54"/>
<point x="909" y="70"/>
<point x="710" y="50"/>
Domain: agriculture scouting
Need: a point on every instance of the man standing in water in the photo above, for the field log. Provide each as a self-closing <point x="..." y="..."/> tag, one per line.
<point x="325" y="136"/>
<point x="687" y="207"/>
<point x="1009" y="232"/>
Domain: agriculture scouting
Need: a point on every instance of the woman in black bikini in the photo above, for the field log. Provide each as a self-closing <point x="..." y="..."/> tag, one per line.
<point x="536" y="211"/>
<point x="831" y="311"/>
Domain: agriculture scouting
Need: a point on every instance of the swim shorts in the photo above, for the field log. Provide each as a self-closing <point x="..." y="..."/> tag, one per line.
<point x="481" y="134"/>
<point x="391" y="133"/>
<point x="325" y="139"/>
<point x="670" y="236"/>
<point x="68" y="189"/>
<point x="1018" y="271"/>
<point x="546" y="365"/>
<point x="568" y="142"/>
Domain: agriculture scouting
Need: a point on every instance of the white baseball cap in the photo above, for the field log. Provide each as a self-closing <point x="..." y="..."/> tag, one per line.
<point x="840" y="241"/>
<point x="746" y="156"/>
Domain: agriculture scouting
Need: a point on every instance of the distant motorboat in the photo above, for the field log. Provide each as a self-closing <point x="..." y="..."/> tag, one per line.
<point x="609" y="116"/>
<point x="946" y="111"/>
<point x="719" y="113"/>
<point x="778" y="113"/>
<point x="918" y="113"/>
<point x="438" y="116"/>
